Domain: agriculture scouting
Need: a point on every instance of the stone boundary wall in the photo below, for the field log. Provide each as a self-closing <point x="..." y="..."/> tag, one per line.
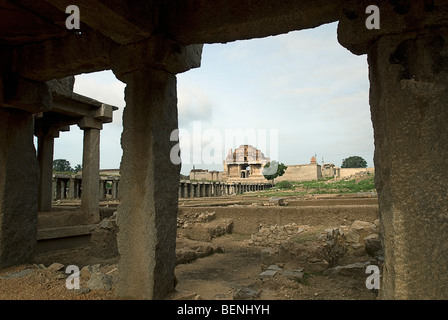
<point x="302" y="172"/>
<point x="346" y="172"/>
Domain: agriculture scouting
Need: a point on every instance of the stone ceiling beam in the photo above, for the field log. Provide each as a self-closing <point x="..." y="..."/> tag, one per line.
<point x="62" y="57"/>
<point x="119" y="20"/>
<point x="213" y="21"/>
<point x="26" y="95"/>
<point x="156" y="52"/>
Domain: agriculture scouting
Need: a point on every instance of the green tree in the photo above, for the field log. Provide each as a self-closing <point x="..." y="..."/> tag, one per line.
<point x="354" y="162"/>
<point x="62" y="165"/>
<point x="77" y="168"/>
<point x="273" y="169"/>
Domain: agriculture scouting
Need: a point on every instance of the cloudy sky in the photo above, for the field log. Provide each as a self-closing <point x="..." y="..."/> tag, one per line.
<point x="292" y="96"/>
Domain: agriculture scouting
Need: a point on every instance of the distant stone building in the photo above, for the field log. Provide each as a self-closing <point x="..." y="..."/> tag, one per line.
<point x="202" y="174"/>
<point x="246" y="162"/>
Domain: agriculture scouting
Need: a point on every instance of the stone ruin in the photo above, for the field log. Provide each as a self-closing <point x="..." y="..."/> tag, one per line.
<point x="147" y="45"/>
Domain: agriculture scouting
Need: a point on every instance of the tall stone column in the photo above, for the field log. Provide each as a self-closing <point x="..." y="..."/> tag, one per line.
<point x="103" y="189"/>
<point x="19" y="178"/>
<point x="58" y="189"/>
<point x="90" y="196"/>
<point x="71" y="188"/>
<point x="148" y="211"/>
<point x="53" y="188"/>
<point x="45" y="148"/>
<point x="191" y="188"/>
<point x="408" y="71"/>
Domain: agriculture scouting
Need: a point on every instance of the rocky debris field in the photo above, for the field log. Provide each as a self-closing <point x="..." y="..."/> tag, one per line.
<point x="291" y="261"/>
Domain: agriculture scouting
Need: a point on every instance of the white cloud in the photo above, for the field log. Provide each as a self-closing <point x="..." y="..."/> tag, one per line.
<point x="193" y="104"/>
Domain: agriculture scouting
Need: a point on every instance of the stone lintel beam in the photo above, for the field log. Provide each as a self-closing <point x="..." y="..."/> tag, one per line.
<point x="120" y="20"/>
<point x="75" y="105"/>
<point x="19" y="93"/>
<point x="212" y="21"/>
<point x="90" y="123"/>
<point x="395" y="17"/>
<point x="156" y="52"/>
<point x="61" y="57"/>
<point x="104" y="113"/>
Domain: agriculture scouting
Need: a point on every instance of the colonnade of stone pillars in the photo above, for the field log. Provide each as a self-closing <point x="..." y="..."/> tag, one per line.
<point x="66" y="186"/>
<point x="408" y="71"/>
<point x="194" y="189"/>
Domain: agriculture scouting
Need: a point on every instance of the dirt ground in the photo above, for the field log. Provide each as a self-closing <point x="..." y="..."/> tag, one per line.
<point x="219" y="276"/>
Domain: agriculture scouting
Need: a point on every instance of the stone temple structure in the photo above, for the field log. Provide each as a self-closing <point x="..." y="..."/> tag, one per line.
<point x="146" y="43"/>
<point x="246" y="162"/>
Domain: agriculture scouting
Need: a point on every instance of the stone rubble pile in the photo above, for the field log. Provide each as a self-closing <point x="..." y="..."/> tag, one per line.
<point x="321" y="251"/>
<point x="103" y="242"/>
<point x="275" y="235"/>
<point x="198" y="217"/>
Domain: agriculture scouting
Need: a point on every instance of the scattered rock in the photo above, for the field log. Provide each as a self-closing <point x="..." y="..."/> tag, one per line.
<point x="103" y="241"/>
<point x="274" y="267"/>
<point x="267" y="274"/>
<point x="19" y="274"/>
<point x="293" y="274"/>
<point x="373" y="247"/>
<point x="100" y="281"/>
<point x="276" y="235"/>
<point x="354" y="269"/>
<point x="208" y="231"/>
<point x="87" y="271"/>
<point x="246" y="294"/>
<point x="183" y="295"/>
<point x="275" y="201"/>
<point x="57" y="267"/>
<point x="83" y="290"/>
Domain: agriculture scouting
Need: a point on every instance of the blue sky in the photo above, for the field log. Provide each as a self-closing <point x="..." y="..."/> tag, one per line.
<point x="303" y="87"/>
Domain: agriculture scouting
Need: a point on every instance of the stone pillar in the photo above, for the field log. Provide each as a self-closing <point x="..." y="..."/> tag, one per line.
<point x="45" y="148"/>
<point x="114" y="190"/>
<point x="64" y="189"/>
<point x="19" y="181"/>
<point x="191" y="190"/>
<point x="53" y="188"/>
<point x="148" y="210"/>
<point x="408" y="71"/>
<point x="58" y="189"/>
<point x="103" y="189"/>
<point x="72" y="188"/>
<point x="78" y="188"/>
<point x="201" y="189"/>
<point x="184" y="190"/>
<point x="90" y="196"/>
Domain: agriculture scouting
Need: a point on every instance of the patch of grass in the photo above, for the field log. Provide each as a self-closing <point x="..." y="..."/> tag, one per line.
<point x="284" y="185"/>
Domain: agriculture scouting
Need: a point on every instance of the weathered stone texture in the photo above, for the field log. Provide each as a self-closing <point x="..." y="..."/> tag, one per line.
<point x="90" y="196"/>
<point x="147" y="215"/>
<point x="18" y="188"/>
<point x="409" y="106"/>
